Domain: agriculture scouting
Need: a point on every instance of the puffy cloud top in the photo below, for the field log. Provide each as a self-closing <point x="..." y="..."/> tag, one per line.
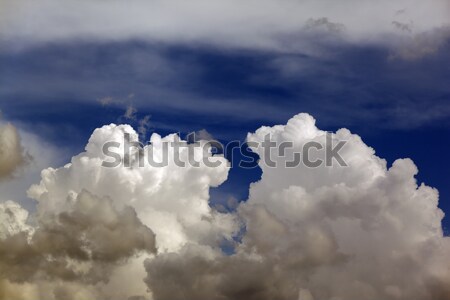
<point x="98" y="224"/>
<point x="363" y="231"/>
<point x="356" y="232"/>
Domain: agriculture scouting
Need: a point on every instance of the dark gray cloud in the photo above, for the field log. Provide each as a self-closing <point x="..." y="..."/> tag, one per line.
<point x="80" y="244"/>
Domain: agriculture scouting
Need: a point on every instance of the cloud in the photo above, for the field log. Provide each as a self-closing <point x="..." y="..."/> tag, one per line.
<point x="94" y="226"/>
<point x="197" y="273"/>
<point x="106" y="100"/>
<point x="203" y="134"/>
<point x="80" y="244"/>
<point x="218" y="23"/>
<point x="420" y="45"/>
<point x="362" y="231"/>
<point x="40" y="154"/>
<point x="130" y="113"/>
<point x="13" y="218"/>
<point x="326" y="24"/>
<point x="12" y="154"/>
<point x="402" y="26"/>
<point x="215" y="87"/>
<point x="144" y="125"/>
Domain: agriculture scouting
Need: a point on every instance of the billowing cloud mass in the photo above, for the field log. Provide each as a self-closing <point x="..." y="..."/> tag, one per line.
<point x="94" y="226"/>
<point x="12" y="155"/>
<point x="79" y="243"/>
<point x="269" y="24"/>
<point x="357" y="232"/>
<point x="364" y="231"/>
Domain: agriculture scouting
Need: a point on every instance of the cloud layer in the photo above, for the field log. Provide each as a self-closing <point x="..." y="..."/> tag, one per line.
<point x="268" y="24"/>
<point x="364" y="231"/>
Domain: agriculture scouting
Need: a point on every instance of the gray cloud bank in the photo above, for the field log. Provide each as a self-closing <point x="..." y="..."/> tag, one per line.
<point x="92" y="231"/>
<point x="278" y="25"/>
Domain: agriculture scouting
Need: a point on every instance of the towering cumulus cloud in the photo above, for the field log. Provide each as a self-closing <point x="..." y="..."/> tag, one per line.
<point x="361" y="231"/>
<point x="358" y="232"/>
<point x="94" y="226"/>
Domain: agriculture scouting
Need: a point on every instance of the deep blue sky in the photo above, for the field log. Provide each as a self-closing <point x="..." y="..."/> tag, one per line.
<point x="399" y="107"/>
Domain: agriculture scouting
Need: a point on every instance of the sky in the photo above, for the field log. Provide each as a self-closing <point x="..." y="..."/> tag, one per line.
<point x="75" y="75"/>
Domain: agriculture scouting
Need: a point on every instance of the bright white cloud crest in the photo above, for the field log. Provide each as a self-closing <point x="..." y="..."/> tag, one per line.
<point x="359" y="232"/>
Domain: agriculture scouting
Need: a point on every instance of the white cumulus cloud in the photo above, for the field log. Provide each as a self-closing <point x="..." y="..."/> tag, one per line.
<point x="364" y="231"/>
<point x="95" y="225"/>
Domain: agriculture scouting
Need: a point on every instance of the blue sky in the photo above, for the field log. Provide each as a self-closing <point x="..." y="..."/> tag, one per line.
<point x="374" y="73"/>
<point x="399" y="107"/>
